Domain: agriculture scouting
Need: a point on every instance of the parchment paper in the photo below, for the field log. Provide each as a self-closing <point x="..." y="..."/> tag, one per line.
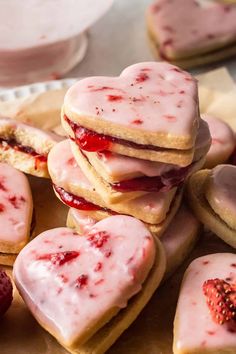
<point x="151" y="333"/>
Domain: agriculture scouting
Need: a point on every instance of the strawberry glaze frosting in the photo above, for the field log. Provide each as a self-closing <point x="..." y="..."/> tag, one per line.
<point x="70" y="282"/>
<point x="222" y="185"/>
<point x="195" y="330"/>
<point x="15" y="205"/>
<point x="223" y="140"/>
<point x="182" y="27"/>
<point x="149" y="97"/>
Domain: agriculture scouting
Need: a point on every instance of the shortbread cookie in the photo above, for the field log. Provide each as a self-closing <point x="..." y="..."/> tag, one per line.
<point x="223" y="141"/>
<point x="82" y="219"/>
<point x="75" y="190"/>
<point x="25" y="147"/>
<point x="103" y="168"/>
<point x="196" y="193"/>
<point x="8" y="259"/>
<point x="209" y="34"/>
<point x="16" y="208"/>
<point x="195" y="61"/>
<point x="180" y="238"/>
<point x="205" y="319"/>
<point x="82" y="273"/>
<point x="220" y="192"/>
<point x="176" y="240"/>
<point x="149" y="112"/>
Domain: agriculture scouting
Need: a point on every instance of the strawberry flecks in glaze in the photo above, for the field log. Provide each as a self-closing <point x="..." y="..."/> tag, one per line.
<point x="141" y="77"/>
<point x="98" y="239"/>
<point x="221" y="300"/>
<point x="137" y="121"/>
<point x="134" y="80"/>
<point x="170" y="118"/>
<point x="16" y="201"/>
<point x="209" y="22"/>
<point x="115" y="98"/>
<point x="15" y="205"/>
<point x="81" y="281"/>
<point x="2" y="208"/>
<point x="59" y="258"/>
<point x="191" y="337"/>
<point x="68" y="308"/>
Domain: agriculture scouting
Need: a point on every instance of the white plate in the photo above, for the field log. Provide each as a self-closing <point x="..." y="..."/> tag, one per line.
<point x="39" y="87"/>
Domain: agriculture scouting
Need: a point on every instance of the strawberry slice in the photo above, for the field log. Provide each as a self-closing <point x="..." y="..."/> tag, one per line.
<point x="221" y="300"/>
<point x="5" y="292"/>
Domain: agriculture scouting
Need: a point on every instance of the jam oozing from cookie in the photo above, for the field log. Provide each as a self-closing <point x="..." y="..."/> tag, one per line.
<point x="89" y="140"/>
<point x="12" y="143"/>
<point x="77" y="202"/>
<point x="165" y="182"/>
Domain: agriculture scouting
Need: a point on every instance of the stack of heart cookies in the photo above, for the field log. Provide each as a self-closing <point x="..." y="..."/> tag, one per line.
<point x="133" y="141"/>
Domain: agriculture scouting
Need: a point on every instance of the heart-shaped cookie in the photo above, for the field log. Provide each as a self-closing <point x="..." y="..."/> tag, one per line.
<point x="16" y="208"/>
<point x="74" y="284"/>
<point x="212" y="197"/>
<point x="184" y="29"/>
<point x="205" y="320"/>
<point x="149" y="109"/>
<point x="25" y="147"/>
<point x="223" y="141"/>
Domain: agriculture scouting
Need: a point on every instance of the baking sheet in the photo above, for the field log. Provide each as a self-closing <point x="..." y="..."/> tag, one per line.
<point x="152" y="332"/>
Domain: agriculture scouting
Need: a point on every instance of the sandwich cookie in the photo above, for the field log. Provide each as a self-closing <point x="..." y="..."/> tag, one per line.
<point x="117" y="177"/>
<point x="209" y="34"/>
<point x="212" y="196"/>
<point x="223" y="141"/>
<point x="16" y="208"/>
<point x="205" y="319"/>
<point x="149" y="112"/>
<point x="74" y="189"/>
<point x="25" y="147"/>
<point x="70" y="283"/>
<point x="177" y="241"/>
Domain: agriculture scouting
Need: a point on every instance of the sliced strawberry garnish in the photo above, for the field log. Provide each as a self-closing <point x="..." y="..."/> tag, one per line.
<point x="5" y="292"/>
<point x="221" y="300"/>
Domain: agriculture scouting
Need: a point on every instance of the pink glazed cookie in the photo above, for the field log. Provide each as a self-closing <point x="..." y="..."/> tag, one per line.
<point x="74" y="189"/>
<point x="69" y="282"/>
<point x="25" y="147"/>
<point x="118" y="177"/>
<point x="205" y="321"/>
<point x="208" y="35"/>
<point x="16" y="207"/>
<point x="150" y="112"/>
<point x="212" y="197"/>
<point x="176" y="240"/>
<point x="223" y="141"/>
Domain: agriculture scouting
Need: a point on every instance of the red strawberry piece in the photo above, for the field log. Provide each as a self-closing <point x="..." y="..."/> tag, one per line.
<point x="5" y="292"/>
<point x="221" y="300"/>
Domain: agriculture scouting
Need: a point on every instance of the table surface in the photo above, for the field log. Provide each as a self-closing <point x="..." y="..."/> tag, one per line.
<point x="119" y="39"/>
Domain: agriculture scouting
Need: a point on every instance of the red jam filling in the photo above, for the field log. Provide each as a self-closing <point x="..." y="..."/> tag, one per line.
<point x="78" y="202"/>
<point x="89" y="140"/>
<point x="12" y="143"/>
<point x="165" y="182"/>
